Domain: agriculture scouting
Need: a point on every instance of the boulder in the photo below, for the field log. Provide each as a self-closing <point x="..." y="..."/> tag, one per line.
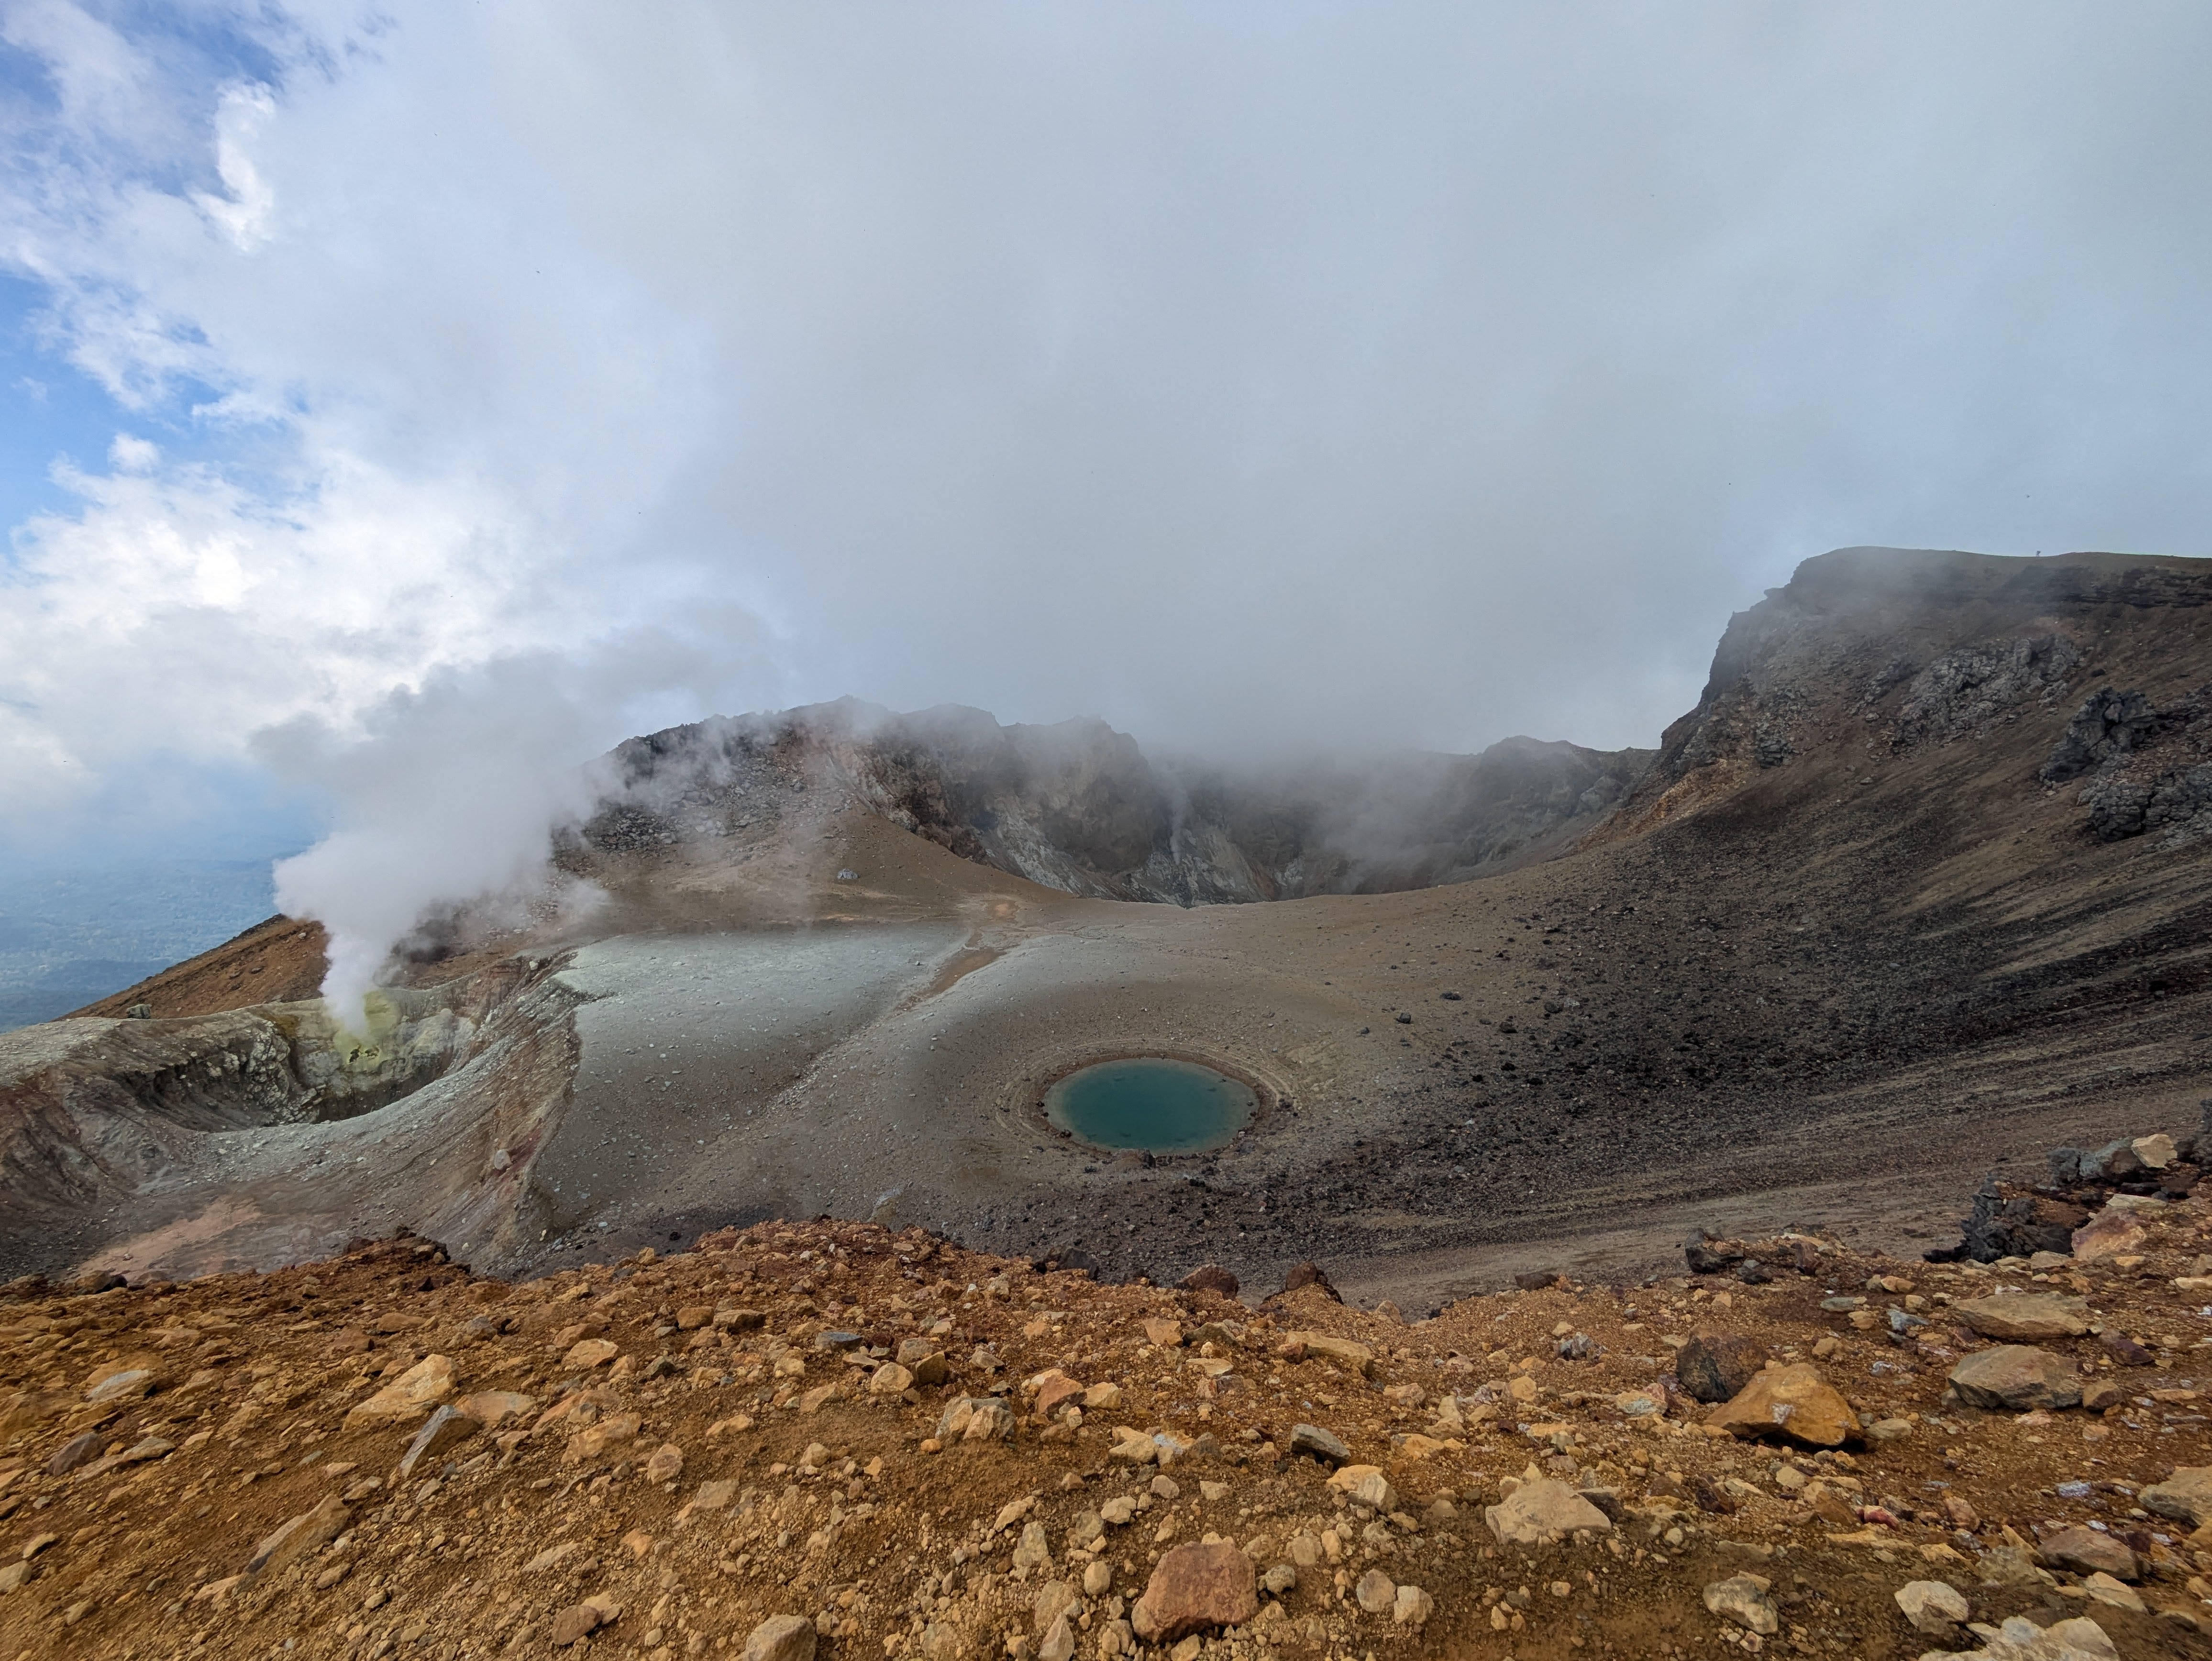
<point x="410" y="1396"/>
<point x="2025" y="1316"/>
<point x="2089" y="1551"/>
<point x="1794" y="1403"/>
<point x="1194" y="1588"/>
<point x="1707" y="1254"/>
<point x="2185" y="1496"/>
<point x="1714" y="1366"/>
<point x="2016" y="1378"/>
<point x="2112" y="1232"/>
<point x="2154" y="1152"/>
<point x="1535" y="1510"/>
<point x="2014" y="1222"/>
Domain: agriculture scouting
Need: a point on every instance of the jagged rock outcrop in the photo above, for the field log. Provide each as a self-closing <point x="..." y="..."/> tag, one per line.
<point x="1907" y="648"/>
<point x="1077" y="806"/>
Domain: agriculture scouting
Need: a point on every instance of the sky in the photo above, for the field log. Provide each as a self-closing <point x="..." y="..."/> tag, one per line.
<point x="410" y="395"/>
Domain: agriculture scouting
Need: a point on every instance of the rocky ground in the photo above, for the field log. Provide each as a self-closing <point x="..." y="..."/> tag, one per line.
<point x="836" y="1439"/>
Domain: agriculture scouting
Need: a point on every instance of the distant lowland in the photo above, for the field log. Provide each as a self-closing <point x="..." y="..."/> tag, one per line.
<point x="68" y="938"/>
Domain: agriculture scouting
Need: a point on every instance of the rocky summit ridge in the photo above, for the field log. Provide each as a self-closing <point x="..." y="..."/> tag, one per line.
<point x="1077" y="806"/>
<point x="838" y="1439"/>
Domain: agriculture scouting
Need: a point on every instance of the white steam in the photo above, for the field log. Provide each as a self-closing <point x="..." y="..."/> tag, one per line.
<point x="447" y="794"/>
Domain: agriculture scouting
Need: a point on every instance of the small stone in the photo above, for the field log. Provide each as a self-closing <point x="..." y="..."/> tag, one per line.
<point x="666" y="1463"/>
<point x="1356" y="1356"/>
<point x="1097" y="1578"/>
<point x="975" y="1418"/>
<point x="1301" y="1275"/>
<point x="1743" y="1598"/>
<point x="2025" y="1316"/>
<point x="890" y="1379"/>
<point x="1932" y="1607"/>
<point x="2098" y="1394"/>
<point x="2088" y="1551"/>
<point x="1213" y="1493"/>
<point x="15" y="1575"/>
<point x="1367" y="1485"/>
<point x="1889" y="1430"/>
<point x="1794" y="1402"/>
<point x="1054" y="1600"/>
<point x="2017" y="1377"/>
<point x="1321" y="1444"/>
<point x="785" y="1637"/>
<point x="1536" y="1509"/>
<point x="588" y="1353"/>
<point x="1193" y="1587"/>
<point x="294" y="1538"/>
<point x="596" y="1438"/>
<point x="127" y="1386"/>
<point x="1376" y="1592"/>
<point x="1282" y="1579"/>
<point x="1715" y="1367"/>
<point x="444" y="1429"/>
<point x="493" y="1407"/>
<point x="2106" y="1590"/>
<point x="1411" y="1607"/>
<point x="575" y="1623"/>
<point x="1212" y="1277"/>
<point x="1102" y="1397"/>
<point x="79" y="1450"/>
<point x="1058" y="1643"/>
<point x="1035" y="1551"/>
<point x="1163" y="1334"/>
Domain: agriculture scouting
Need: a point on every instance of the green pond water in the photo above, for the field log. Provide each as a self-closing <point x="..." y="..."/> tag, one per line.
<point x="1168" y="1106"/>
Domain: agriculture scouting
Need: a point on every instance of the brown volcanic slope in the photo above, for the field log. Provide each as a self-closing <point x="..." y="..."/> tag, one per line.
<point x="673" y="1451"/>
<point x="1843" y="946"/>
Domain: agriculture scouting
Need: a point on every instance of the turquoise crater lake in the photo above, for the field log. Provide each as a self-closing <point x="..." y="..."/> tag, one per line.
<point x="1151" y="1102"/>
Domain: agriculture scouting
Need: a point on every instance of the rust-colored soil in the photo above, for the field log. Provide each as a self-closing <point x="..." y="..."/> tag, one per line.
<point x="711" y="1368"/>
<point x="279" y="961"/>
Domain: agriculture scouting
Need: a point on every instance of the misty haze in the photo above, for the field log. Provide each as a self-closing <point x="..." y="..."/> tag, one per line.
<point x="1227" y="835"/>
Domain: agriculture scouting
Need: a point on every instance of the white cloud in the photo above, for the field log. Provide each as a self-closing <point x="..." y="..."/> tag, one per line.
<point x="1255" y="376"/>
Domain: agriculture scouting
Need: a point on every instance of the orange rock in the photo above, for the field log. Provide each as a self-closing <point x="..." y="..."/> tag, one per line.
<point x="1195" y="1587"/>
<point x="410" y="1396"/>
<point x="1794" y="1403"/>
